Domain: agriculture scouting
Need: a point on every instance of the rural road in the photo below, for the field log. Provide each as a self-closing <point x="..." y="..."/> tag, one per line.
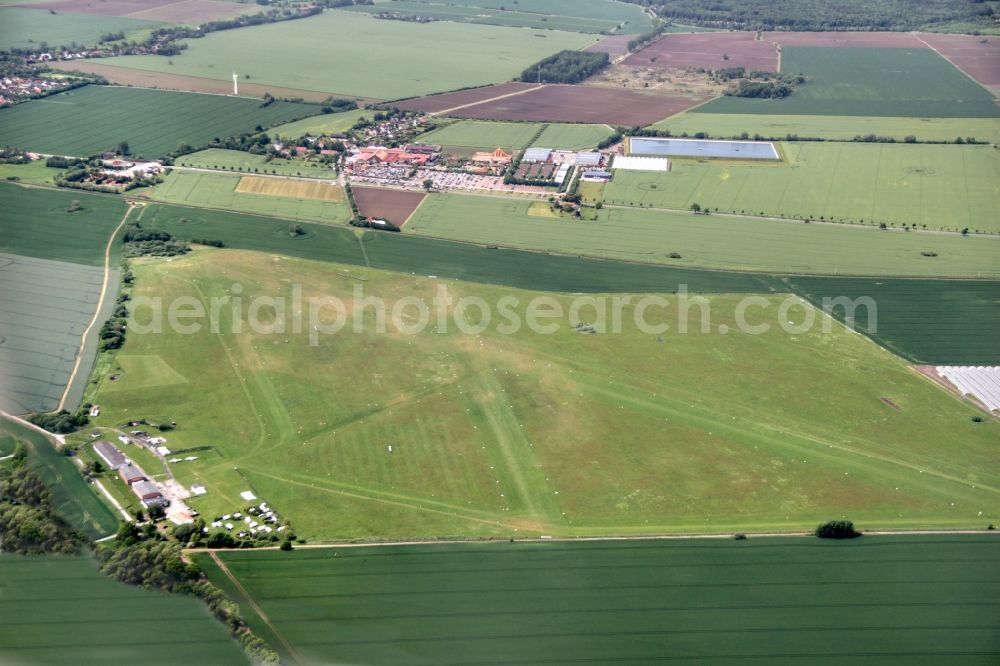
<point x="97" y="310"/>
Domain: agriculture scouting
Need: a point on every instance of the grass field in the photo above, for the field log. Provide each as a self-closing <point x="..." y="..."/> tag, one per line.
<point x="930" y="186"/>
<point x="244" y="194"/>
<point x="72" y="498"/>
<point x="883" y="600"/>
<point x="915" y="83"/>
<point x="939" y="322"/>
<point x="488" y="442"/>
<point x="330" y="123"/>
<point x="452" y="55"/>
<point x="237" y="160"/>
<point x="62" y="610"/>
<point x="153" y="122"/>
<point x="706" y="241"/>
<point x="484" y="134"/>
<point x="30" y="28"/>
<point x="573" y="137"/>
<point x="572" y="15"/>
<point x="50" y="264"/>
<point x="35" y="173"/>
<point x="831" y="127"/>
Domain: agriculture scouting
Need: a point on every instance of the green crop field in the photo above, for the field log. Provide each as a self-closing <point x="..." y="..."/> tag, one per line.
<point x="62" y="610"/>
<point x="712" y="241"/>
<point x="72" y="498"/>
<point x="573" y="137"/>
<point x="153" y="122"/>
<point x="484" y="134"/>
<point x="573" y="15"/>
<point x="883" y="600"/>
<point x="452" y="55"/>
<point x="51" y="281"/>
<point x="31" y="28"/>
<point x="941" y="322"/>
<point x="915" y="83"/>
<point x="728" y="125"/>
<point x="36" y="223"/>
<point x="329" y="123"/>
<point x="926" y="186"/>
<point x="219" y="191"/>
<point x="486" y="441"/>
<point x="237" y="160"/>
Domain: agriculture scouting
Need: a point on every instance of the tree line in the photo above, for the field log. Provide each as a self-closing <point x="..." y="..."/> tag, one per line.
<point x="565" y="67"/>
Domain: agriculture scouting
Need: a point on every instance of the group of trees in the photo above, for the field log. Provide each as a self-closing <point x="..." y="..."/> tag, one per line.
<point x="822" y="15"/>
<point x="565" y="67"/>
<point x="765" y="85"/>
<point x="28" y="523"/>
<point x="141" y="242"/>
<point x="62" y="422"/>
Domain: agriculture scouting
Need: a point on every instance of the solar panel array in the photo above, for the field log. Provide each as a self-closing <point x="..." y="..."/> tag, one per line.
<point x="983" y="383"/>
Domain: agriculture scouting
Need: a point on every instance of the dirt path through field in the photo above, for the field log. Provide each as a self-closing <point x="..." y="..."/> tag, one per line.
<point x="485" y="101"/>
<point x="256" y="607"/>
<point x="100" y="304"/>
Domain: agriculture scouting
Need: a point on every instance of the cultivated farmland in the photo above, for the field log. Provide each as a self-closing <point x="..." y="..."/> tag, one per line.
<point x="711" y="241"/>
<point x="452" y="55"/>
<point x="831" y="127"/>
<point x="237" y="160"/>
<point x="29" y="28"/>
<point x="153" y="122"/>
<point x="582" y="104"/>
<point x="444" y="101"/>
<point x="49" y="261"/>
<point x="979" y="57"/>
<point x="396" y="206"/>
<point x="478" y="450"/>
<point x="329" y="123"/>
<point x="573" y="15"/>
<point x="937" y="322"/>
<point x="886" y="600"/>
<point x="185" y="11"/>
<point x="926" y="186"/>
<point x="484" y="134"/>
<point x="709" y="50"/>
<point x="890" y="82"/>
<point x="61" y="610"/>
<point x="230" y="193"/>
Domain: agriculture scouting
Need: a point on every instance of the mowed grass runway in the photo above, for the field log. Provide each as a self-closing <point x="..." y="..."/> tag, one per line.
<point x="89" y="120"/>
<point x="61" y="610"/>
<point x="928" y="186"/>
<point x="452" y="55"/>
<point x="498" y="434"/>
<point x="889" y="82"/>
<point x="274" y="197"/>
<point x="711" y="241"/>
<point x="878" y="600"/>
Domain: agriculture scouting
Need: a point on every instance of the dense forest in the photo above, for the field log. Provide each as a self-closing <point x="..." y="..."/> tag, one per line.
<point x="826" y="14"/>
<point x="565" y="67"/>
<point x="28" y="523"/>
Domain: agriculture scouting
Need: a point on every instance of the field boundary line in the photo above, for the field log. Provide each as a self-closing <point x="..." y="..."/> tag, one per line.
<point x="916" y="35"/>
<point x="100" y="304"/>
<point x="256" y="607"/>
<point x="486" y="101"/>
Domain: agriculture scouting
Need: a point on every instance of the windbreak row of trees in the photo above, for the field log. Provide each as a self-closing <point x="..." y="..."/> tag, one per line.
<point x="565" y="67"/>
<point x="808" y="15"/>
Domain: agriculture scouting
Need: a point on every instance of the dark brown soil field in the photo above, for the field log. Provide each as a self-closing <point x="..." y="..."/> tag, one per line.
<point x="979" y="57"/>
<point x="185" y="11"/>
<point x="437" y="103"/>
<point x="394" y="206"/>
<point x="134" y="77"/>
<point x="706" y="49"/>
<point x="578" y="104"/>
<point x="615" y="46"/>
<point x="885" y="40"/>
